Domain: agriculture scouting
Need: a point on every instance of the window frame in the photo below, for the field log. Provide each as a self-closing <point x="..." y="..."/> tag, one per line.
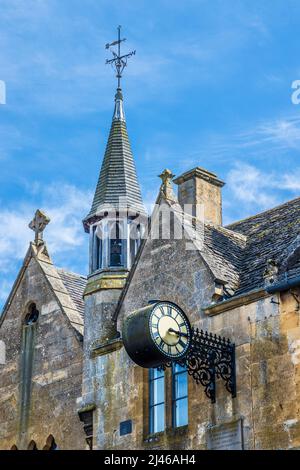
<point x="96" y="254"/>
<point x="116" y="227"/>
<point x="175" y="399"/>
<point x="32" y="315"/>
<point x="152" y="405"/>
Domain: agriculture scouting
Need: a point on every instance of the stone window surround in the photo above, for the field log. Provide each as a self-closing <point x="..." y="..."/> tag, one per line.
<point x="170" y="430"/>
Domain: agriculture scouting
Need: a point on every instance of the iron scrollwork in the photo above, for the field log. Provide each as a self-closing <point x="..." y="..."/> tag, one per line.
<point x="210" y="357"/>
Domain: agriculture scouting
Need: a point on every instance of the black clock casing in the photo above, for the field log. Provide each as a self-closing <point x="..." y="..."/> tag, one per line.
<point x="156" y="334"/>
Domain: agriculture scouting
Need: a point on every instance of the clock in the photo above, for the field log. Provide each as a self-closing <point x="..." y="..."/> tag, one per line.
<point x="157" y="334"/>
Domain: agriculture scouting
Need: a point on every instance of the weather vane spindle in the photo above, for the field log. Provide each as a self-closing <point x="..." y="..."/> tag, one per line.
<point x="118" y="62"/>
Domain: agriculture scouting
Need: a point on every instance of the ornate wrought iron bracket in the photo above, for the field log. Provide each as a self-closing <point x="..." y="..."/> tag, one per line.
<point x="210" y="357"/>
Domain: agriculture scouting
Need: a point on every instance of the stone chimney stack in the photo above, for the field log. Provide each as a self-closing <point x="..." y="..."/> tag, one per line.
<point x="199" y="186"/>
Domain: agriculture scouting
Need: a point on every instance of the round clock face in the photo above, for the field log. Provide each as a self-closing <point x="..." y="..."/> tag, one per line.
<point x="170" y="330"/>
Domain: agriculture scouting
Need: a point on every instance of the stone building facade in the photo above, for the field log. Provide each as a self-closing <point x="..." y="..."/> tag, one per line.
<point x="42" y="327"/>
<point x="68" y="381"/>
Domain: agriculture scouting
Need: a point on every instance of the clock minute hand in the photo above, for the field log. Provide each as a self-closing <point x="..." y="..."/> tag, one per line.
<point x="179" y="333"/>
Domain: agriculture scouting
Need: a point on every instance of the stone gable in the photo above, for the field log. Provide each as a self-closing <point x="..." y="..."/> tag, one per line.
<point x="56" y="367"/>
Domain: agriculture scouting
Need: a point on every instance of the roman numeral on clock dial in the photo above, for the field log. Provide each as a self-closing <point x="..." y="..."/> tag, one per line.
<point x="169" y="329"/>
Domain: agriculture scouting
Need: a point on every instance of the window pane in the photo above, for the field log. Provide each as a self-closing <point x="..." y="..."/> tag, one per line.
<point x="181" y="385"/>
<point x="180" y="395"/>
<point x="115" y="252"/>
<point x="157" y="373"/>
<point x="178" y="368"/>
<point x="157" y="398"/>
<point x="158" y="418"/>
<point x="158" y="391"/>
<point x="181" y="412"/>
<point x="99" y="253"/>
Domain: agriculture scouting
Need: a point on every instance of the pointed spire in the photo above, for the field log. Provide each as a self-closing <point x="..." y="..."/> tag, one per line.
<point x="118" y="179"/>
<point x="117" y="186"/>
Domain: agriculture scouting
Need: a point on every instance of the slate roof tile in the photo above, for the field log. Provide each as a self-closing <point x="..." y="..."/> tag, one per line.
<point x="75" y="285"/>
<point x="269" y="234"/>
<point x="238" y="254"/>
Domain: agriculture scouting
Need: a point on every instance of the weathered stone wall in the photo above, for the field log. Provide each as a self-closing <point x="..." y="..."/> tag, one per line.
<point x="99" y="308"/>
<point x="202" y="188"/>
<point x="56" y="375"/>
<point x="165" y="271"/>
<point x="275" y="362"/>
<point x="267" y="337"/>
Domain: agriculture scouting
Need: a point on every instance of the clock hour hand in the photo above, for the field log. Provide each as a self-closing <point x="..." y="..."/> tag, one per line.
<point x="179" y="333"/>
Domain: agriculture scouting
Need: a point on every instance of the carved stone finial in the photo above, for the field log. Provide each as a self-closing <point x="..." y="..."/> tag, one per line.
<point x="38" y="225"/>
<point x="271" y="272"/>
<point x="166" y="186"/>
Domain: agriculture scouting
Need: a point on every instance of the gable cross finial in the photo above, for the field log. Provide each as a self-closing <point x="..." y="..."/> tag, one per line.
<point x="38" y="225"/>
<point x="166" y="186"/>
<point x="118" y="62"/>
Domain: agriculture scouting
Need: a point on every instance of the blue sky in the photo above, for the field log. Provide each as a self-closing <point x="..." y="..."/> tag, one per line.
<point x="210" y="85"/>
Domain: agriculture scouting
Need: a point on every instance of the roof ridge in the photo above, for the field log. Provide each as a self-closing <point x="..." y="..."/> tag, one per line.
<point x="232" y="233"/>
<point x="70" y="272"/>
<point x="189" y="218"/>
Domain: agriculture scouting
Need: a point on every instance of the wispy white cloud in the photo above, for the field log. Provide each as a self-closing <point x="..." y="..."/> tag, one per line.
<point x="284" y="132"/>
<point x="59" y="67"/>
<point x="271" y="138"/>
<point x="66" y="205"/>
<point x="251" y="190"/>
<point x="291" y="181"/>
<point x="251" y="186"/>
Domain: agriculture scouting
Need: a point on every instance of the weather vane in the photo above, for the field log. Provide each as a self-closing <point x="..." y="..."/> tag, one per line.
<point x="118" y="62"/>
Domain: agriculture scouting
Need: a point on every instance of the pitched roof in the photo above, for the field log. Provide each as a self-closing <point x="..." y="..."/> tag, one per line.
<point x="67" y="287"/>
<point x="237" y="255"/>
<point x="222" y="249"/>
<point x="269" y="235"/>
<point x="118" y="177"/>
<point x="62" y="293"/>
<point x="75" y="285"/>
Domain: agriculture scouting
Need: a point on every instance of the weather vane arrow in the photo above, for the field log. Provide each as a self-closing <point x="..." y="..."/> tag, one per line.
<point x="118" y="62"/>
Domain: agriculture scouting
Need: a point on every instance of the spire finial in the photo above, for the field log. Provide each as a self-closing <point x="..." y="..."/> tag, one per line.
<point x="166" y="186"/>
<point x="118" y="62"/>
<point x="119" y="114"/>
<point x="38" y="225"/>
